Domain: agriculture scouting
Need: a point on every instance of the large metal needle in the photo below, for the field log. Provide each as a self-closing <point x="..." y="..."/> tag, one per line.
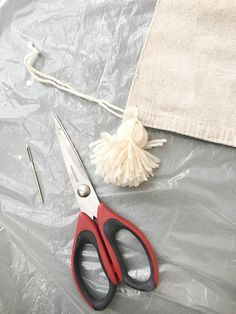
<point x="35" y="173"/>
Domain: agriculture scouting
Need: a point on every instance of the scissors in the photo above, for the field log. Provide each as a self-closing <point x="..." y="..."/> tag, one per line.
<point x="98" y="225"/>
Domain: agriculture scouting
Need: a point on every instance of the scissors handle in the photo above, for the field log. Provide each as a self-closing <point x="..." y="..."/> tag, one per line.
<point x="102" y="234"/>
<point x="87" y="233"/>
<point x="109" y="224"/>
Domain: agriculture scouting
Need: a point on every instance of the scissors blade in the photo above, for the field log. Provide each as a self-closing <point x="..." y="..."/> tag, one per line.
<point x="76" y="170"/>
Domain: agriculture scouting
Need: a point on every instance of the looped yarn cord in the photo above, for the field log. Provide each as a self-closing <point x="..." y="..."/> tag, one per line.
<point x="121" y="159"/>
<point x="50" y="80"/>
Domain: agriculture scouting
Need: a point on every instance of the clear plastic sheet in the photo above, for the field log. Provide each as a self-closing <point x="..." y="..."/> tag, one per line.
<point x="187" y="210"/>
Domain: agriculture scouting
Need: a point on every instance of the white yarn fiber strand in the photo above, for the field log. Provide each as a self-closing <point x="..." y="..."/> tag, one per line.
<point x="121" y="159"/>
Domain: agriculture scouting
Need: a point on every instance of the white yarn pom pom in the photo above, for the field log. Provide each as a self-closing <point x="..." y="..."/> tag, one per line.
<point x="122" y="159"/>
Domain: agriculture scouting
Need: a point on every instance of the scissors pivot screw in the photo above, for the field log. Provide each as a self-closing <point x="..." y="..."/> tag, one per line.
<point x="83" y="190"/>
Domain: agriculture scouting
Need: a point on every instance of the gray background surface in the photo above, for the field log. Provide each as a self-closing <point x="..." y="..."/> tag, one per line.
<point x="187" y="210"/>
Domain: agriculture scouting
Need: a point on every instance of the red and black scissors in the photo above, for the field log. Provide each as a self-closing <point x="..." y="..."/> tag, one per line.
<point x="98" y="225"/>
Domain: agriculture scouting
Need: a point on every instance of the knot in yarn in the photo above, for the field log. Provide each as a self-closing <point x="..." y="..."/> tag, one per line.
<point x="134" y="130"/>
<point x="122" y="158"/>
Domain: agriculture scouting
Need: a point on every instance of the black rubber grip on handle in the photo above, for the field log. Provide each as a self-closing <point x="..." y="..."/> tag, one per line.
<point x="110" y="228"/>
<point x="87" y="237"/>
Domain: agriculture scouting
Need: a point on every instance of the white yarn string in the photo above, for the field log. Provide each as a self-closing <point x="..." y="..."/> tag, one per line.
<point x="122" y="158"/>
<point x="50" y="80"/>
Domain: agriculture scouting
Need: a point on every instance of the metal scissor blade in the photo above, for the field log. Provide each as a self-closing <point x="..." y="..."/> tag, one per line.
<point x="77" y="173"/>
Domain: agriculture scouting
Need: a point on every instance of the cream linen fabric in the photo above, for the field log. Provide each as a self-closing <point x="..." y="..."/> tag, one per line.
<point x="186" y="77"/>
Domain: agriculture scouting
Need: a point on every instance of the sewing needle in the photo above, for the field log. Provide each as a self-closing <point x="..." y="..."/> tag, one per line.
<point x="35" y="173"/>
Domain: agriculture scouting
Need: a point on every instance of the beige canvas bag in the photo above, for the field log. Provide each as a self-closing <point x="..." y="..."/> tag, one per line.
<point x="186" y="77"/>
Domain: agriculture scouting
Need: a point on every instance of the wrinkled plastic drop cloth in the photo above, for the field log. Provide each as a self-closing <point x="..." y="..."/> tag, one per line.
<point x="188" y="210"/>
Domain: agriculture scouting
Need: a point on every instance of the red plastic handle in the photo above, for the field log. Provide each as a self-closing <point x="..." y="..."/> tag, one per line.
<point x="109" y="224"/>
<point x="87" y="233"/>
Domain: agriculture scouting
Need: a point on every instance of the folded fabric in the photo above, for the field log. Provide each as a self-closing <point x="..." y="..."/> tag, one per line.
<point x="186" y="77"/>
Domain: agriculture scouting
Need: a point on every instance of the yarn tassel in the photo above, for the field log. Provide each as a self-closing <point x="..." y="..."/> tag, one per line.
<point x="122" y="159"/>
